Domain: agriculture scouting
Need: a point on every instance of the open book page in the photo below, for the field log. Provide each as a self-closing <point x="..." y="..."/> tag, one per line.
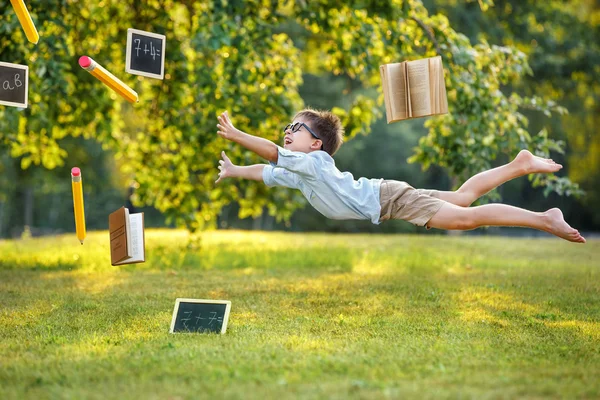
<point x="136" y="227"/>
<point x="419" y="87"/>
<point x="386" y="94"/>
<point x="438" y="86"/>
<point x="433" y="85"/>
<point x="128" y="232"/>
<point x="397" y="88"/>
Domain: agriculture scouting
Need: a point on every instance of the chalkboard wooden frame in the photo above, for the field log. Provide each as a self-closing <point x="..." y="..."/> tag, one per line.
<point x="178" y="301"/>
<point x="26" y="69"/>
<point x="128" y="69"/>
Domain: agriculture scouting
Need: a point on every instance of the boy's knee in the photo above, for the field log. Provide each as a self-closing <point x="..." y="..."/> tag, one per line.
<point x="453" y="217"/>
<point x="465" y="202"/>
<point x="465" y="199"/>
<point x="465" y="222"/>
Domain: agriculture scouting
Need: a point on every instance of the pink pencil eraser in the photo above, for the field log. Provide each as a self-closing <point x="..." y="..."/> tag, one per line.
<point x="75" y="171"/>
<point x="85" y="61"/>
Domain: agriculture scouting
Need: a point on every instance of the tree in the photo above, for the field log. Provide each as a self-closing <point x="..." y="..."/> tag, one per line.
<point x="561" y="42"/>
<point x="237" y="56"/>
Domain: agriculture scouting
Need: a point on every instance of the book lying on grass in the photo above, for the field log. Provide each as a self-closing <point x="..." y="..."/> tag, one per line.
<point x="413" y="89"/>
<point x="126" y="237"/>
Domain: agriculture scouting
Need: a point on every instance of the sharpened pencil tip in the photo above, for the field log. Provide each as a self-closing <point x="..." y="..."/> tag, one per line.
<point x="81" y="242"/>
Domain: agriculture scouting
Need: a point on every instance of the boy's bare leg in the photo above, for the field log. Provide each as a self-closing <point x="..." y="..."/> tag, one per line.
<point x="524" y="163"/>
<point x="453" y="217"/>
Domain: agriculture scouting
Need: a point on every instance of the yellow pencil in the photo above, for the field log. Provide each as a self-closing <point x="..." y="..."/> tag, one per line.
<point x="25" y="20"/>
<point x="77" y="187"/>
<point x="108" y="79"/>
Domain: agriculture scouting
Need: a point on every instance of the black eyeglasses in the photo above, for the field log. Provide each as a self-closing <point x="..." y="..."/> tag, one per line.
<point x="295" y="127"/>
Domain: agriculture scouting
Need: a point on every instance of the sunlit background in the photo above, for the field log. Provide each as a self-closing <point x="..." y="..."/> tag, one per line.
<point x="263" y="62"/>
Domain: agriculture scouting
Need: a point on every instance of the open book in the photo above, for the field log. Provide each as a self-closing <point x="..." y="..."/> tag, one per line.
<point x="413" y="89"/>
<point x="126" y="237"/>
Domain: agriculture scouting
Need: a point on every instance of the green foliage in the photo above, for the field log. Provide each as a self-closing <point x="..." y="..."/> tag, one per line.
<point x="60" y="103"/>
<point x="483" y="122"/>
<point x="560" y="39"/>
<point x="239" y="56"/>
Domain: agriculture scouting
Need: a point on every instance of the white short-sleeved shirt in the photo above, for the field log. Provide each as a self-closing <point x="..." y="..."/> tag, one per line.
<point x="334" y="194"/>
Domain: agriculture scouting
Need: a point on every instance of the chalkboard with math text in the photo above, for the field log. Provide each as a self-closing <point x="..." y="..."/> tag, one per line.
<point x="200" y="316"/>
<point x="145" y="53"/>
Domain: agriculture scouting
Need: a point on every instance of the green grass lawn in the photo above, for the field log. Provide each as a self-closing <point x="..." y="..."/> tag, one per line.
<point x="313" y="316"/>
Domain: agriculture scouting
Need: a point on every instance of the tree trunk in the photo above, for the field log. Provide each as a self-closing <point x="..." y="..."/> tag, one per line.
<point x="2" y="205"/>
<point x="257" y="223"/>
<point x="269" y="220"/>
<point x="28" y="207"/>
<point x="53" y="217"/>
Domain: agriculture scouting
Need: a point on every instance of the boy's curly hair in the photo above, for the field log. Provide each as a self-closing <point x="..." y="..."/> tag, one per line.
<point x="326" y="125"/>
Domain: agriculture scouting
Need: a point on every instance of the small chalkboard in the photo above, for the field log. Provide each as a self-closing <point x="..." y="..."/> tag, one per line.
<point x="14" y="81"/>
<point x="145" y="53"/>
<point x="203" y="316"/>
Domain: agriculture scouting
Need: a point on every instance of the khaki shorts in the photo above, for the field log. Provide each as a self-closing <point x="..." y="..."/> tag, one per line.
<point x="399" y="200"/>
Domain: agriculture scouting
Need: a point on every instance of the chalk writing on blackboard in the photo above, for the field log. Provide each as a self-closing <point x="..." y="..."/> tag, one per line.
<point x="13" y="84"/>
<point x="197" y="315"/>
<point x="153" y="50"/>
<point x="145" y="54"/>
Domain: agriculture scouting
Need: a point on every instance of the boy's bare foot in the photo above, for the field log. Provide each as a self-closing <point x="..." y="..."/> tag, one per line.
<point x="557" y="226"/>
<point x="533" y="164"/>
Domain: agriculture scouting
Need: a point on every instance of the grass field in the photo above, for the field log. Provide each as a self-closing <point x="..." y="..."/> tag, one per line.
<point x="313" y="316"/>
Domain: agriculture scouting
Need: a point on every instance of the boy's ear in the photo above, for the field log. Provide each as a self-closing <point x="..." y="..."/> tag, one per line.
<point x="317" y="144"/>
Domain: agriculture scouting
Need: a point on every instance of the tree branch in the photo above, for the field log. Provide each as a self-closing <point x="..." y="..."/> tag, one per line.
<point x="429" y="33"/>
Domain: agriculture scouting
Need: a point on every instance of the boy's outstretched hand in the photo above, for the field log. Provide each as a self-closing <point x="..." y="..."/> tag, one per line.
<point x="226" y="128"/>
<point x="225" y="168"/>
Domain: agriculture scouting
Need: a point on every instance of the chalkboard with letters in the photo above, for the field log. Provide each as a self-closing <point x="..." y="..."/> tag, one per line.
<point x="202" y="316"/>
<point x="145" y="53"/>
<point x="14" y="81"/>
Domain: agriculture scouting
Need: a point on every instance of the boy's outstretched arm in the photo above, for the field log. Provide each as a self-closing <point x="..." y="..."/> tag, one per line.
<point x="261" y="146"/>
<point x="228" y="170"/>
